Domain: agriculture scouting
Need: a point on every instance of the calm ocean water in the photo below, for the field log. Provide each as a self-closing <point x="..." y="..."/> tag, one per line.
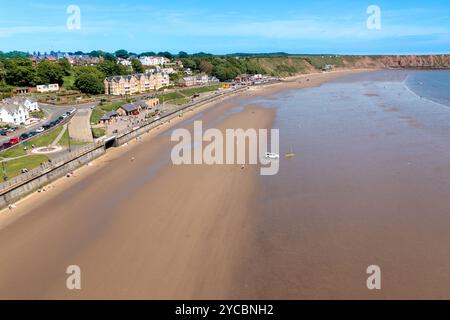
<point x="432" y="85"/>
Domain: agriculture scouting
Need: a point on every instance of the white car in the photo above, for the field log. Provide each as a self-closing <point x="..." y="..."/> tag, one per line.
<point x="39" y="130"/>
<point x="270" y="155"/>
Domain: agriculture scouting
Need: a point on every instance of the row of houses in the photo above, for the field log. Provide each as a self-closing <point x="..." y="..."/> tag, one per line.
<point x="136" y="83"/>
<point x="74" y="59"/>
<point x="17" y="110"/>
<point x="198" y="80"/>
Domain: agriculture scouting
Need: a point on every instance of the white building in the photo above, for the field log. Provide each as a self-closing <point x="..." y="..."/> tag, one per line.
<point x="198" y="80"/>
<point x="28" y="103"/>
<point x="17" y="110"/>
<point x="124" y="62"/>
<point x="166" y="70"/>
<point x="153" y="61"/>
<point x="10" y="113"/>
<point x="47" y="87"/>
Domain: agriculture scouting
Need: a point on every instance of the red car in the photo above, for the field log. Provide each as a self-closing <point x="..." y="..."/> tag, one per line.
<point x="14" y="140"/>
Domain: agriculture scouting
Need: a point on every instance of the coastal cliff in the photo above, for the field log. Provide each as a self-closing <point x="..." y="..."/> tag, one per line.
<point x="282" y="65"/>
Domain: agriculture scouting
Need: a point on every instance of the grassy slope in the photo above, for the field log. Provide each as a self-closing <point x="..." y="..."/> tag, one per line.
<point x="100" y="110"/>
<point x="283" y="66"/>
<point x="14" y="167"/>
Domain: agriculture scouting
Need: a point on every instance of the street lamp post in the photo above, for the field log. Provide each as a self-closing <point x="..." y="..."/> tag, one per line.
<point x="5" y="177"/>
<point x="68" y="137"/>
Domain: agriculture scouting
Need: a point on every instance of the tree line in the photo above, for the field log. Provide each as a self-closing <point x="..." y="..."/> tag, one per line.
<point x="21" y="72"/>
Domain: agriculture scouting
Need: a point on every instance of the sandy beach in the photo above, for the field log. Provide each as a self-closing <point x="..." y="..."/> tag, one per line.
<point x="143" y="228"/>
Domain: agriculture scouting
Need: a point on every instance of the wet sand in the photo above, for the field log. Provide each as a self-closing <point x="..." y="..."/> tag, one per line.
<point x="370" y="185"/>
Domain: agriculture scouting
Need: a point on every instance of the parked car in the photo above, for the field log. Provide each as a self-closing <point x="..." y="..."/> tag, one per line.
<point x="3" y="133"/>
<point x="14" y="140"/>
<point x="39" y="130"/>
<point x="24" y="136"/>
<point x="32" y="133"/>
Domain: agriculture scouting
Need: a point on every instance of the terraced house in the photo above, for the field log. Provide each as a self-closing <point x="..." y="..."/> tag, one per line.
<point x="17" y="110"/>
<point x="135" y="84"/>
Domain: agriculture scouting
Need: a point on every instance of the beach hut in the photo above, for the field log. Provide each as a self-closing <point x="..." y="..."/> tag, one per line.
<point x="133" y="108"/>
<point x="108" y="116"/>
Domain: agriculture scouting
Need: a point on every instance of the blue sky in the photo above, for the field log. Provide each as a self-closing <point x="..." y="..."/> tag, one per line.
<point x="315" y="26"/>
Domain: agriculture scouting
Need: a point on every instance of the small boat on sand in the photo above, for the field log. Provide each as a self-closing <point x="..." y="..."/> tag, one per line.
<point x="290" y="154"/>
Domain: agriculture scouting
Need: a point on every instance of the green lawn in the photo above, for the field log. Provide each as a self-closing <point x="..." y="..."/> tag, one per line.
<point x="13" y="152"/>
<point x="37" y="114"/>
<point x="46" y="139"/>
<point x="69" y="82"/>
<point x="191" y="91"/>
<point x="179" y="101"/>
<point x="100" y="110"/>
<point x="96" y="115"/>
<point x="14" y="167"/>
<point x="182" y="96"/>
<point x="170" y="96"/>
<point x="98" y="132"/>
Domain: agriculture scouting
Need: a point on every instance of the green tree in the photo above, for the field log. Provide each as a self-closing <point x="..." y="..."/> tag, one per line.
<point x="111" y="68"/>
<point x="137" y="66"/>
<point x="19" y="72"/>
<point x="90" y="80"/>
<point x="206" y="67"/>
<point x="2" y="73"/>
<point x="189" y="63"/>
<point x="65" y="66"/>
<point x="110" y="57"/>
<point x="165" y="54"/>
<point x="122" y="53"/>
<point x="97" y="53"/>
<point x="14" y="55"/>
<point x="49" y="72"/>
<point x="225" y="73"/>
<point x="183" y="54"/>
<point x="147" y="54"/>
